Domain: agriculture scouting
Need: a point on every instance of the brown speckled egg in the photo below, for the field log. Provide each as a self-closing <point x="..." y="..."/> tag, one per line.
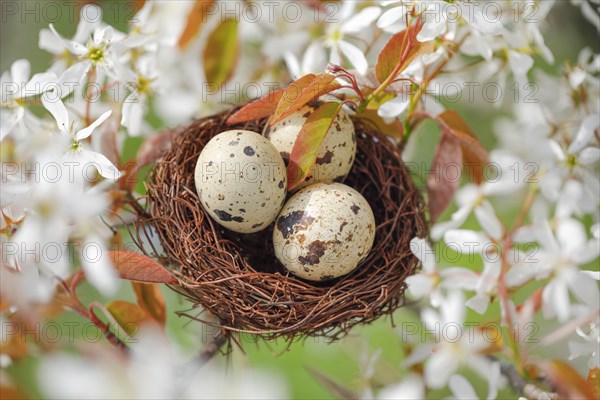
<point x="241" y="180"/>
<point x="324" y="231"/>
<point x="336" y="154"/>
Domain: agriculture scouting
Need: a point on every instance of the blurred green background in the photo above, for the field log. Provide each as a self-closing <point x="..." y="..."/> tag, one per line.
<point x="566" y="34"/>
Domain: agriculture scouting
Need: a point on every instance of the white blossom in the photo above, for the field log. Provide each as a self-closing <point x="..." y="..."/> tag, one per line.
<point x="15" y="87"/>
<point x="430" y="281"/>
<point x="590" y="346"/>
<point x="77" y="154"/>
<point x="454" y="346"/>
<point x="561" y="253"/>
<point x="463" y="390"/>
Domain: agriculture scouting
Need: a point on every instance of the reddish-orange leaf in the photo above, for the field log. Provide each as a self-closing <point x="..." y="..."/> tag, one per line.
<point x="221" y="53"/>
<point x="444" y="177"/>
<point x="196" y="18"/>
<point x="14" y="344"/>
<point x="566" y="381"/>
<point x="399" y="50"/>
<point x="593" y="380"/>
<point x="10" y="393"/>
<point x="299" y="93"/>
<point x="308" y="142"/>
<point x="265" y="106"/>
<point x="141" y="268"/>
<point x="261" y="108"/>
<point x="475" y="156"/>
<point x="3" y="304"/>
<point x="129" y="316"/>
<point x="150" y="298"/>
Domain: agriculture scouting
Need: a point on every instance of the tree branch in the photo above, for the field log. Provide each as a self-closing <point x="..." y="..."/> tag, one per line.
<point x="520" y="385"/>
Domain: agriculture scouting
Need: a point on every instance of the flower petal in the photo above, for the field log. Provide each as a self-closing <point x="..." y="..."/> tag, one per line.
<point x="19" y="72"/>
<point x="103" y="165"/>
<point x="585" y="133"/>
<point x="355" y="56"/>
<point x="72" y="77"/>
<point x="49" y="42"/>
<point x="519" y="63"/>
<point x="391" y="16"/>
<point x="87" y="131"/>
<point x="419" y="285"/>
<point x="394" y="107"/>
<point x="432" y="29"/>
<point x="363" y="19"/>
<point x="97" y="266"/>
<point x="314" y="60"/>
<point x="461" y="388"/>
<point x="479" y="303"/>
<point x="439" y="367"/>
<point x="40" y="83"/>
<point x="59" y="112"/>
<point x="133" y="114"/>
<point x="488" y="220"/>
<point x="422" y="250"/>
<point x="75" y="48"/>
<point x="589" y="156"/>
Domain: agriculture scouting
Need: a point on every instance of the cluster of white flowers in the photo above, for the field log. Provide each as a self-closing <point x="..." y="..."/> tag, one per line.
<point x="59" y="182"/>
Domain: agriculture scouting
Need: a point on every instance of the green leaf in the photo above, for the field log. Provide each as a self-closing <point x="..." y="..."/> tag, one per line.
<point x="129" y="316"/>
<point x="138" y="267"/>
<point x="399" y="50"/>
<point x="196" y="18"/>
<point x="300" y="92"/>
<point x="308" y="142"/>
<point x="221" y="52"/>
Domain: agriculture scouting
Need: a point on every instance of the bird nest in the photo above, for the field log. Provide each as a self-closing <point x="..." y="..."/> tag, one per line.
<point x="237" y="277"/>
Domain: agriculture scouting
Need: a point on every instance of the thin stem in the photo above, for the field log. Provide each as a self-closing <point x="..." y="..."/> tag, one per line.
<point x="73" y="302"/>
<point x="520" y="385"/>
<point x="527" y="204"/>
<point x="88" y="95"/>
<point x="212" y="348"/>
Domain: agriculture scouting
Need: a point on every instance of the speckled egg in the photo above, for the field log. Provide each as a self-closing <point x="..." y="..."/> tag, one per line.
<point x="336" y="154"/>
<point x="324" y="231"/>
<point x="241" y="180"/>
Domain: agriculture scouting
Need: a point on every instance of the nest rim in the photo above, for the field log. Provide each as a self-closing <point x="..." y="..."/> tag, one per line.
<point x="216" y="269"/>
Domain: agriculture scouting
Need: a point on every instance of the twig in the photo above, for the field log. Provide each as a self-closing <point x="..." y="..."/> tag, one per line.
<point x="212" y="348"/>
<point x="520" y="385"/>
<point x="190" y="368"/>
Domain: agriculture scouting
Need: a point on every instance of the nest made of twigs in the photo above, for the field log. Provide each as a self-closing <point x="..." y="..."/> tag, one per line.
<point x="237" y="277"/>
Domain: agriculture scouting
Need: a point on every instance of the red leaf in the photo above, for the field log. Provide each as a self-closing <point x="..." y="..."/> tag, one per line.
<point x="308" y="142"/>
<point x="399" y="50"/>
<point x="298" y="93"/>
<point x="475" y="157"/>
<point x="150" y="298"/>
<point x="265" y="106"/>
<point x="442" y="182"/>
<point x="566" y="381"/>
<point x="196" y="18"/>
<point x="258" y="109"/>
<point x="141" y="268"/>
